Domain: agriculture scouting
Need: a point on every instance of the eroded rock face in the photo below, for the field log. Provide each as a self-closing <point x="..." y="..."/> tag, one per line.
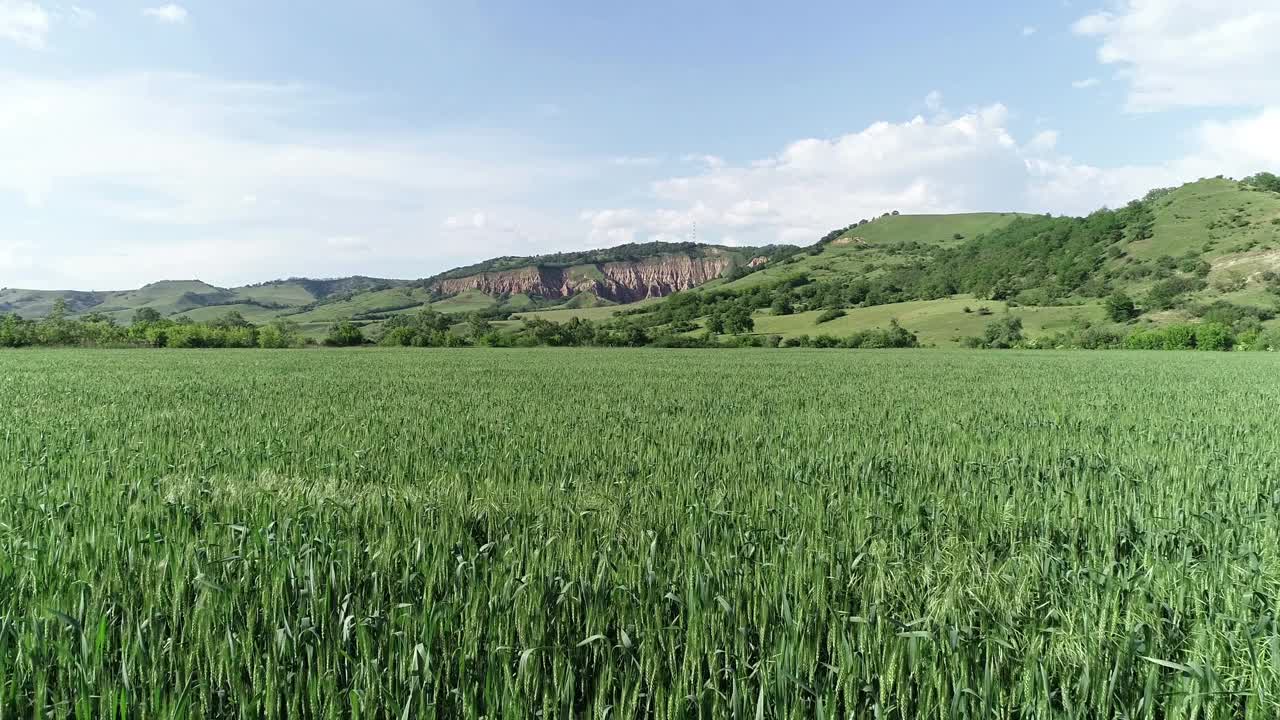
<point x="616" y="281"/>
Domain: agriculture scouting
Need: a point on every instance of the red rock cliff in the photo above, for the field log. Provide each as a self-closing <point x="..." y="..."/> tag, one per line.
<point x="617" y="281"/>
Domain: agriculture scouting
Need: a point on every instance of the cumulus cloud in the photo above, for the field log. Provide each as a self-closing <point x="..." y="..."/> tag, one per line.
<point x="170" y="14"/>
<point x="1191" y="53"/>
<point x="24" y="23"/>
<point x="967" y="163"/>
<point x="814" y="185"/>
<point x="129" y="178"/>
<point x="1085" y="83"/>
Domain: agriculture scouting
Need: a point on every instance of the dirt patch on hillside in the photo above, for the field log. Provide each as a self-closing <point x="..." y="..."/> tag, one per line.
<point x="1256" y="263"/>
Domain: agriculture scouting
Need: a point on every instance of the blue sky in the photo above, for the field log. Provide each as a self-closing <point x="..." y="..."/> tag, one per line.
<point x="239" y="141"/>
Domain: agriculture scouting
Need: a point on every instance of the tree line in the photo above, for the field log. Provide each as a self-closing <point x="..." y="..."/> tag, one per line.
<point x="147" y="329"/>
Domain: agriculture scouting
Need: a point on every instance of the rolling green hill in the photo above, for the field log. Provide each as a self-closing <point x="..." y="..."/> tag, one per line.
<point x="572" y="282"/>
<point x="1206" y="250"/>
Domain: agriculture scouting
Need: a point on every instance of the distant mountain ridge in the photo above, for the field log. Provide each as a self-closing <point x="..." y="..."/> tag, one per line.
<point x="619" y="274"/>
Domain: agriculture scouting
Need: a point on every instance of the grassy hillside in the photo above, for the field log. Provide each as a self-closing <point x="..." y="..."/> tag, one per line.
<point x="594" y="314"/>
<point x="1206" y="251"/>
<point x="867" y="249"/>
<point x="936" y="322"/>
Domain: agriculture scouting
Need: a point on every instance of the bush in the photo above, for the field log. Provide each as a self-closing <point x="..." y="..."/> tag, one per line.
<point x="829" y="315"/>
<point x="1169" y="337"/>
<point x="1214" y="336"/>
<point x="1120" y="307"/>
<point x="1005" y="332"/>
<point x="1165" y="293"/>
<point x="344" y="334"/>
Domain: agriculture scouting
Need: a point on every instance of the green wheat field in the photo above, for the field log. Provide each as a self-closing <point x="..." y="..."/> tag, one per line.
<point x="639" y="534"/>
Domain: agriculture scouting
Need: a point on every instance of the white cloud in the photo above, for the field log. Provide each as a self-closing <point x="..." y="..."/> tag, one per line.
<point x="171" y="14"/>
<point x="137" y="177"/>
<point x="1085" y="83"/>
<point x="933" y="101"/>
<point x="1191" y="53"/>
<point x="941" y="165"/>
<point x="1028" y="31"/>
<point x="25" y="23"/>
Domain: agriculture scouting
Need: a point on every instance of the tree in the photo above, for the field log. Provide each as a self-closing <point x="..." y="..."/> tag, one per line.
<point x="59" y="311"/>
<point x="344" y="334"/>
<point x="279" y="334"/>
<point x="1264" y="181"/>
<point x="479" y="326"/>
<point x="782" y="306"/>
<point x="1120" y="307"/>
<point x="739" y="320"/>
<point x="1003" y="332"/>
<point x="1214" y="336"/>
<point x="715" y="324"/>
<point x="829" y="315"/>
<point x="231" y="319"/>
<point x="145" y="315"/>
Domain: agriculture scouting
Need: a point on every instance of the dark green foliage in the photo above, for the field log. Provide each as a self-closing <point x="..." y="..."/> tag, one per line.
<point x="344" y="334"/>
<point x="829" y="315"/>
<point x="1166" y="293"/>
<point x="1037" y="260"/>
<point x="576" y="332"/>
<point x="895" y="336"/>
<point x="1120" y="308"/>
<point x="739" y="320"/>
<point x="1168" y="337"/>
<point x="145" y="315"/>
<point x="478" y="325"/>
<point x="1214" y="336"/>
<point x="1266" y="181"/>
<point x="1001" y="333"/>
<point x="1232" y="315"/>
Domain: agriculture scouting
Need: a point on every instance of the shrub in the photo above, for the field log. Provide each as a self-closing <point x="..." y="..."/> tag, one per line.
<point x="829" y="315"/>
<point x="1214" y="336"/>
<point x="1120" y="307"/>
<point x="1005" y="332"/>
<point x="344" y="334"/>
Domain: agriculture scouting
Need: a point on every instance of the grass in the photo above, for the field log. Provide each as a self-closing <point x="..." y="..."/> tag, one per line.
<point x="253" y="313"/>
<point x="936" y="322"/>
<point x="382" y="301"/>
<point x="469" y="301"/>
<point x="868" y="246"/>
<point x="595" y="313"/>
<point x="1214" y="211"/>
<point x="758" y="534"/>
<point x="279" y="293"/>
